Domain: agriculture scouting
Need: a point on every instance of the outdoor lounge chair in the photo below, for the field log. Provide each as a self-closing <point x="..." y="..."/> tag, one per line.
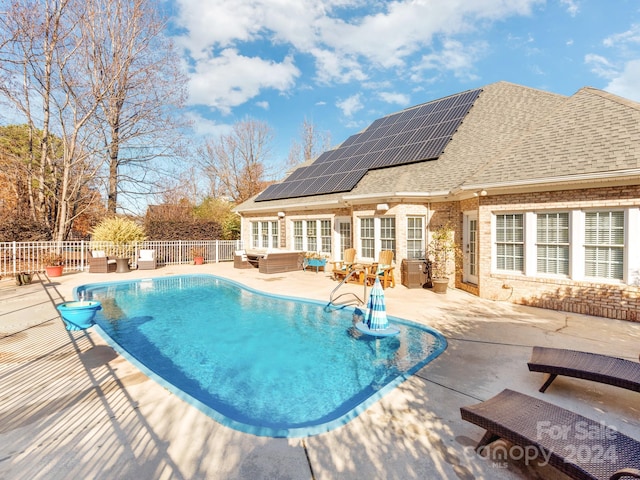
<point x="100" y="263"/>
<point x="383" y="270"/>
<point x="240" y="260"/>
<point x="146" y="260"/>
<point x="588" y="366"/>
<point x="532" y="425"/>
<point x="343" y="267"/>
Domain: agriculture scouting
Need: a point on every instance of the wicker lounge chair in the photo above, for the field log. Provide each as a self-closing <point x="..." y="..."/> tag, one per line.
<point x="100" y="263"/>
<point x="532" y="424"/>
<point x="589" y="366"/>
<point x="147" y="260"/>
<point x="240" y="260"/>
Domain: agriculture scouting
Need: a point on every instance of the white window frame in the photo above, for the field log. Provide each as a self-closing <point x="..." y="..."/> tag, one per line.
<point x="514" y="243"/>
<point x="554" y="240"/>
<point x="416" y="236"/>
<point x="261" y="238"/>
<point x="322" y="239"/>
<point x="376" y="243"/>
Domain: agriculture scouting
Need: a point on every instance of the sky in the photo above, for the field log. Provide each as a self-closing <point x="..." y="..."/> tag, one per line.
<point x="341" y="64"/>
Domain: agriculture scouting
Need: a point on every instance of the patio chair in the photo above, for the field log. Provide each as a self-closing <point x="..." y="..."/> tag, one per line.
<point x="382" y="269"/>
<point x="588" y="366"/>
<point x="342" y="267"/>
<point x="240" y="260"/>
<point x="100" y="263"/>
<point x="146" y="260"/>
<point x="531" y="424"/>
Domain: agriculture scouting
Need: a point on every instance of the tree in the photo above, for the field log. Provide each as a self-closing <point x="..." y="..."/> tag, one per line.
<point x="144" y="86"/>
<point x="94" y="82"/>
<point x="312" y="143"/>
<point x="236" y="162"/>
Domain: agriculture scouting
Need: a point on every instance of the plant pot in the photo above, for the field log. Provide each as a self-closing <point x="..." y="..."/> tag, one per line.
<point x="23" y="278"/>
<point x="198" y="260"/>
<point x="79" y="315"/>
<point x="440" y="285"/>
<point x="54" y="271"/>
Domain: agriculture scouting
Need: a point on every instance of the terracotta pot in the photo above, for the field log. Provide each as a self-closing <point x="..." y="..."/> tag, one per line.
<point x="54" y="271"/>
<point x="440" y="285"/>
<point x="198" y="260"/>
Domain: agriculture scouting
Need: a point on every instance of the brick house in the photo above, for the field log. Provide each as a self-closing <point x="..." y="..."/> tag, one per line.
<point x="543" y="191"/>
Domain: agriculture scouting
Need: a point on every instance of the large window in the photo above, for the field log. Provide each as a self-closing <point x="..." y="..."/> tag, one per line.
<point x="510" y="242"/>
<point x="415" y="237"/>
<point x="604" y="244"/>
<point x="377" y="234"/>
<point x="312" y="235"/>
<point x="553" y="243"/>
<point x="265" y="234"/>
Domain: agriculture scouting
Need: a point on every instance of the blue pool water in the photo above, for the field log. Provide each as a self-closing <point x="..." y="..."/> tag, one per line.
<point x="263" y="364"/>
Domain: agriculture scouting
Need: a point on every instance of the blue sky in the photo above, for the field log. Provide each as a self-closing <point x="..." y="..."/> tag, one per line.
<point x="341" y="64"/>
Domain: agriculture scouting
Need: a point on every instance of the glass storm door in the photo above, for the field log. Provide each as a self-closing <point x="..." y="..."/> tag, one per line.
<point x="470" y="268"/>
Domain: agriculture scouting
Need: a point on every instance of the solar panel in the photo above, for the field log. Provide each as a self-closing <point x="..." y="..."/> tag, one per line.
<point x="415" y="134"/>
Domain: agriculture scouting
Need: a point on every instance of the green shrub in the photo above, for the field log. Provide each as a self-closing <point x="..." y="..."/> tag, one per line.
<point x="122" y="232"/>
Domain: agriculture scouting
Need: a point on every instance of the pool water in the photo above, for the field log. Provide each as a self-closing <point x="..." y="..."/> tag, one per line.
<point x="263" y="364"/>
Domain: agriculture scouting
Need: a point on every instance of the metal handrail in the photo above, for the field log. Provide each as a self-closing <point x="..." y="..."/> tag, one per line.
<point x="347" y="277"/>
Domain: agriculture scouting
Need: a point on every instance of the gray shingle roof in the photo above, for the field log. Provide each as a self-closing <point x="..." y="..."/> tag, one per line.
<point x="590" y="132"/>
<point x="514" y="134"/>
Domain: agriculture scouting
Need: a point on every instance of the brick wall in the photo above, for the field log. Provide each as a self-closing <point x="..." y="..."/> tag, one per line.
<point x="602" y="299"/>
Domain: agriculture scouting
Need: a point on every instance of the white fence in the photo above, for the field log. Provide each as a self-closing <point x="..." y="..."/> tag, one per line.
<point x="29" y="257"/>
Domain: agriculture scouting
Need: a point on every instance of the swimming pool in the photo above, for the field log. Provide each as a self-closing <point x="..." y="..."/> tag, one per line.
<point x="263" y="364"/>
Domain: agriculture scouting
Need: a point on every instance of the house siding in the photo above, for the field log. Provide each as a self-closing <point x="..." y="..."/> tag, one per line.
<point x="606" y="299"/>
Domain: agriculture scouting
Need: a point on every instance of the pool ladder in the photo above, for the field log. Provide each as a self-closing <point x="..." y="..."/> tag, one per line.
<point x="358" y="271"/>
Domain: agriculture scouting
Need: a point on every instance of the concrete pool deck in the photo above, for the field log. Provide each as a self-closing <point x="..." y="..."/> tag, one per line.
<point x="70" y="407"/>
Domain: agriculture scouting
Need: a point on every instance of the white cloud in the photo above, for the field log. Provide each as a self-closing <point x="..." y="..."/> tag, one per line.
<point x="231" y="79"/>
<point x="454" y="57"/>
<point x="394" y="97"/>
<point x="600" y="65"/>
<point x="631" y="36"/>
<point x="263" y="104"/>
<point x="203" y="127"/>
<point x="350" y="105"/>
<point x="346" y="45"/>
<point x="627" y="83"/>
<point x="573" y="7"/>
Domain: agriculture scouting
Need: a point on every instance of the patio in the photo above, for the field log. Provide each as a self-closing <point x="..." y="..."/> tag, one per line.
<point x="70" y="407"/>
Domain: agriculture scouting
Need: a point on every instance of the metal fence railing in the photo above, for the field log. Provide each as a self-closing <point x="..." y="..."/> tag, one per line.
<point x="30" y="257"/>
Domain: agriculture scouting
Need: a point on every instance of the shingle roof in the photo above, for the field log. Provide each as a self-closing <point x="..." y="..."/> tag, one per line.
<point x="513" y="134"/>
<point x="590" y="132"/>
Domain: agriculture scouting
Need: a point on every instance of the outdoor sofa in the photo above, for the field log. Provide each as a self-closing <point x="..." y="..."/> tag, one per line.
<point x="280" y="261"/>
<point x="588" y="366"/>
<point x="531" y="424"/>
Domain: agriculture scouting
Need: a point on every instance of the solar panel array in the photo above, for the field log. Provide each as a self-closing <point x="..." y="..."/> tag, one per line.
<point x="412" y="135"/>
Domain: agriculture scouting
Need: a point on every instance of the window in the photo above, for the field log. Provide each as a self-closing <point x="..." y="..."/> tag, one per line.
<point x="510" y="242"/>
<point x="553" y="243"/>
<point x="312" y="235"/>
<point x="388" y="234"/>
<point x="265" y="234"/>
<point x="367" y="237"/>
<point x="415" y="237"/>
<point x="298" y="239"/>
<point x="325" y="236"/>
<point x="377" y="234"/>
<point x="604" y="245"/>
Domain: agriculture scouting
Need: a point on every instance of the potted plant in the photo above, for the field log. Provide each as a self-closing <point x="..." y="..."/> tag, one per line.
<point x="198" y="255"/>
<point x="445" y="256"/>
<point x="53" y="263"/>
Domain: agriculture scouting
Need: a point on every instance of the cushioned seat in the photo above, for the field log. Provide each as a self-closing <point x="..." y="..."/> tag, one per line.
<point x="146" y="260"/>
<point x="100" y="263"/>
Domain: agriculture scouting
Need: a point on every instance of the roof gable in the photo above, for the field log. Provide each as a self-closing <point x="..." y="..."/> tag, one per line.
<point x="591" y="132"/>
